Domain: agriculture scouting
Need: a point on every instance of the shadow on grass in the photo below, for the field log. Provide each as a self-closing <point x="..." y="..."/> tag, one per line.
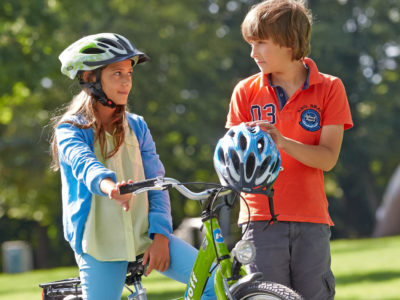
<point x="367" y="277"/>
<point x="365" y="245"/>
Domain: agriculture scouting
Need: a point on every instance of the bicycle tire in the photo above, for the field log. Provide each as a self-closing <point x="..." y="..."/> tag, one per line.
<point x="265" y="290"/>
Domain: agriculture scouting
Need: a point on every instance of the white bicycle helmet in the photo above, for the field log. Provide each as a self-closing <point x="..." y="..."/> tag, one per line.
<point x="247" y="159"/>
<point x="93" y="52"/>
<point x="96" y="51"/>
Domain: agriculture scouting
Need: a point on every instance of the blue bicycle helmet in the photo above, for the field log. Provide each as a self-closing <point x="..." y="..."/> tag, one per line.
<point x="247" y="159"/>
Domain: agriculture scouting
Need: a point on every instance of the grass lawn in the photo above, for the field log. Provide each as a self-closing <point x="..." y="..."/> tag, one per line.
<point x="364" y="269"/>
<point x="367" y="268"/>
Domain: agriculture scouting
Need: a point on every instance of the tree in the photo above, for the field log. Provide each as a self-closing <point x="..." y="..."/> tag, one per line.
<point x="197" y="56"/>
<point x="359" y="42"/>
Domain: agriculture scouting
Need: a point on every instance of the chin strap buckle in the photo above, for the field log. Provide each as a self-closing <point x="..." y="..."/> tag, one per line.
<point x="96" y="89"/>
<point x="274" y="218"/>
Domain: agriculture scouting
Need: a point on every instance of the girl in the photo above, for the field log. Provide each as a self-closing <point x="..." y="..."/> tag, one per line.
<point x="97" y="145"/>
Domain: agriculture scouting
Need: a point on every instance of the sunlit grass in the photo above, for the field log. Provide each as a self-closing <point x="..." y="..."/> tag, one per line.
<point x="367" y="268"/>
<point x="24" y="286"/>
<point x="364" y="269"/>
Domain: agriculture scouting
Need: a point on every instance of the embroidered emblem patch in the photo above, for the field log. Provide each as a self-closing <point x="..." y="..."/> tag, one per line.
<point x="310" y="120"/>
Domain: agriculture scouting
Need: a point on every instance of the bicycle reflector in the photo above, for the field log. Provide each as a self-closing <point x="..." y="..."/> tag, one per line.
<point x="244" y="251"/>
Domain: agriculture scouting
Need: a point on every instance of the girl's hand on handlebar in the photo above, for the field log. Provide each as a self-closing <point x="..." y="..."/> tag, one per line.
<point x="122" y="200"/>
<point x="112" y="190"/>
<point x="157" y="254"/>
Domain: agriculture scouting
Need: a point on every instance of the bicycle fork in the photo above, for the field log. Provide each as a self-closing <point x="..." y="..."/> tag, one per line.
<point x="213" y="247"/>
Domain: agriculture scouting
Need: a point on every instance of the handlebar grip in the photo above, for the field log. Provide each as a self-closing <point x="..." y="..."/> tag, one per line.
<point x="132" y="187"/>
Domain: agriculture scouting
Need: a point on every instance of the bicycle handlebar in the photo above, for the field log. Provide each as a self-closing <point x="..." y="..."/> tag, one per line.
<point x="162" y="183"/>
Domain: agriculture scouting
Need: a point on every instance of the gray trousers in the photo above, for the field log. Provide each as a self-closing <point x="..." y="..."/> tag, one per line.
<point x="294" y="254"/>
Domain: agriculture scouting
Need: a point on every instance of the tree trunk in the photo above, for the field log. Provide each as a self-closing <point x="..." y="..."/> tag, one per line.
<point x="388" y="213"/>
<point x="43" y="257"/>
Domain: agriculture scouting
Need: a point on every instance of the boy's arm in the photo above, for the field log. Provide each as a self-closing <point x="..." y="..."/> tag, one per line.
<point x="322" y="156"/>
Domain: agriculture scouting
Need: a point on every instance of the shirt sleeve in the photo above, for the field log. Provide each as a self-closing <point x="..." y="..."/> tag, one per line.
<point x="238" y="111"/>
<point x="78" y="154"/>
<point x="160" y="220"/>
<point x="336" y="108"/>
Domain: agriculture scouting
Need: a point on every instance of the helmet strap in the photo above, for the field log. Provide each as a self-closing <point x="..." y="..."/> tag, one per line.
<point x="96" y="90"/>
<point x="274" y="218"/>
<point x="264" y="190"/>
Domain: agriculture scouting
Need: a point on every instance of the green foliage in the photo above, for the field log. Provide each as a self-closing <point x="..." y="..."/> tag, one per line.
<point x="359" y="42"/>
<point x="197" y="55"/>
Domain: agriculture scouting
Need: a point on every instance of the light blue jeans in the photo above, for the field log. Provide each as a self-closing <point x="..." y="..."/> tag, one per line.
<point x="105" y="280"/>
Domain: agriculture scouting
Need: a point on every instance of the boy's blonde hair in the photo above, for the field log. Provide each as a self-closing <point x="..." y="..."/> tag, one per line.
<point x="285" y="22"/>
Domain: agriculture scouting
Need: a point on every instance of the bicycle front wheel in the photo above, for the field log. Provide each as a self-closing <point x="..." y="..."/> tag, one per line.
<point x="265" y="290"/>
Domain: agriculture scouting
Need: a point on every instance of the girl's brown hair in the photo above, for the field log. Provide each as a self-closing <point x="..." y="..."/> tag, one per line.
<point x="83" y="105"/>
<point x="285" y="22"/>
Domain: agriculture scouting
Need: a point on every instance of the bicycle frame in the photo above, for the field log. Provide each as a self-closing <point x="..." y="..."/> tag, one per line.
<point x="213" y="248"/>
<point x="230" y="274"/>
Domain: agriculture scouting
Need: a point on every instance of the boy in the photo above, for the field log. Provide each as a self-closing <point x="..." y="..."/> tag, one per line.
<point x="306" y="113"/>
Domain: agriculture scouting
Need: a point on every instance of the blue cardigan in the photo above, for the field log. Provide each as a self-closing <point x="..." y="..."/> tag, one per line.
<point x="81" y="174"/>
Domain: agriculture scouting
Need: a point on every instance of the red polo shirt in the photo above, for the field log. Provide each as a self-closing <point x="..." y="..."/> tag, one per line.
<point x="299" y="189"/>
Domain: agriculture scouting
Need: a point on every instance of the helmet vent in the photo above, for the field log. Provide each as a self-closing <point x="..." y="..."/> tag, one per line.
<point x="265" y="164"/>
<point x="260" y="145"/>
<point x="242" y="142"/>
<point x="251" y="163"/>
<point x="103" y="45"/>
<point x="110" y="43"/>
<point x="235" y="159"/>
<point x="275" y="166"/>
<point x="221" y="156"/>
<point x="92" y="51"/>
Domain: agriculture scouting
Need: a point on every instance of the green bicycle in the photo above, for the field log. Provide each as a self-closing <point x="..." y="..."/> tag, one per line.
<point x="231" y="280"/>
